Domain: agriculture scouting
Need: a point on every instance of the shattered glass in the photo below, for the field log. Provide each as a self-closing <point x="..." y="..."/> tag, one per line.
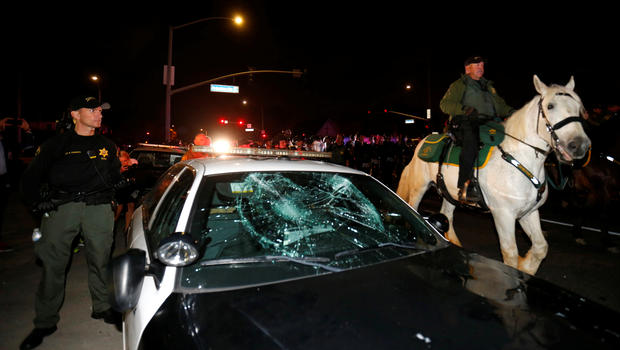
<point x="297" y="224"/>
<point x="284" y="216"/>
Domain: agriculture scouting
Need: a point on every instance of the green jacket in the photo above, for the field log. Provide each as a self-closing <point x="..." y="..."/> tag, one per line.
<point x="466" y="92"/>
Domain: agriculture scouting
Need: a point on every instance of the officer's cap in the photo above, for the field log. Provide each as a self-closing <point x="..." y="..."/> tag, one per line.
<point x="474" y="59"/>
<point x="87" y="102"/>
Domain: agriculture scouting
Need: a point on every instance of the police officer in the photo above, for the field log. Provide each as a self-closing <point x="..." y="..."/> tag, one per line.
<point x="470" y="101"/>
<point x="80" y="170"/>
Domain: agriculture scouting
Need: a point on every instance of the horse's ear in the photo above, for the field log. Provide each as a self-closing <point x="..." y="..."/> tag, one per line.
<point x="539" y="85"/>
<point x="571" y="84"/>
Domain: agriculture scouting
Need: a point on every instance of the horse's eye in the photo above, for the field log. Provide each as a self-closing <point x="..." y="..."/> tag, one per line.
<point x="550" y="106"/>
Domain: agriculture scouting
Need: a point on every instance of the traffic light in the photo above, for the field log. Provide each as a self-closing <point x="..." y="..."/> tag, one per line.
<point x="241" y="123"/>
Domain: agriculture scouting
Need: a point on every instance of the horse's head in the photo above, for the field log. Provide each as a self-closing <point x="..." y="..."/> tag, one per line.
<point x="560" y="109"/>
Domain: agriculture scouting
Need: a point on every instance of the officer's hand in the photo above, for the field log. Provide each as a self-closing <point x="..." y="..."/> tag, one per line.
<point x="46" y="206"/>
<point x="470" y="111"/>
<point x="124" y="183"/>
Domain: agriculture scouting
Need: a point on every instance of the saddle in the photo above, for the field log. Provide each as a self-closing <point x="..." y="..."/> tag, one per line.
<point x="444" y="149"/>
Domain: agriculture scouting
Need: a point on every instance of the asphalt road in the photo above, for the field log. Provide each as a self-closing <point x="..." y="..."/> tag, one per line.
<point x="588" y="270"/>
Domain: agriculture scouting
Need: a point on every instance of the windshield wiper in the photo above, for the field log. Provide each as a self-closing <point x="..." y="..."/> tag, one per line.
<point x="405" y="245"/>
<point x="310" y="261"/>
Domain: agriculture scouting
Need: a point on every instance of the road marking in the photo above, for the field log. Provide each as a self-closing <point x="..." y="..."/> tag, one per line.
<point x="583" y="227"/>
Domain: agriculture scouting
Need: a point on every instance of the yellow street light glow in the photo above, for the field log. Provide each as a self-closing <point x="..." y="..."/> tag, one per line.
<point x="238" y="20"/>
<point x="94" y="78"/>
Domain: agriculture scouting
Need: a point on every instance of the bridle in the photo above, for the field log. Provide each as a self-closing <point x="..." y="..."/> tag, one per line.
<point x="555" y="140"/>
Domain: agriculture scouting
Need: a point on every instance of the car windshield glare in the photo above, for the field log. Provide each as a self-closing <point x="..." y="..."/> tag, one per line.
<point x="303" y="215"/>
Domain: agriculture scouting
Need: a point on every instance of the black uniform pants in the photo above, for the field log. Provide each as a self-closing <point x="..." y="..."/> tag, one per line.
<point x="96" y="223"/>
<point x="467" y="134"/>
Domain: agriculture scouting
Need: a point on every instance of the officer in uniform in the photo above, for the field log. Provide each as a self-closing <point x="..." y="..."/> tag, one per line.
<point x="471" y="101"/>
<point x="79" y="171"/>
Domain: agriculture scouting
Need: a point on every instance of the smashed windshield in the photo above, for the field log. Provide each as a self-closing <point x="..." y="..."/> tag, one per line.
<point x="297" y="223"/>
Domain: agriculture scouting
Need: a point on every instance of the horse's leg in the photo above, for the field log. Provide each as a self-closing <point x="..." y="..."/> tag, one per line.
<point x="505" y="226"/>
<point x="538" y="251"/>
<point x="448" y="210"/>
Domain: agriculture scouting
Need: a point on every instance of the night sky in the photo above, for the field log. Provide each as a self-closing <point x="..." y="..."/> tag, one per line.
<point x="357" y="61"/>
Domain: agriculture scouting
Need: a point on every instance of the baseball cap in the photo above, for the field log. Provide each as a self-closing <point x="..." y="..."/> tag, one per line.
<point x="474" y="59"/>
<point x="87" y="102"/>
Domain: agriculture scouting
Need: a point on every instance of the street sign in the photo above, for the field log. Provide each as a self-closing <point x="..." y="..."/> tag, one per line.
<point x="231" y="89"/>
<point x="166" y="75"/>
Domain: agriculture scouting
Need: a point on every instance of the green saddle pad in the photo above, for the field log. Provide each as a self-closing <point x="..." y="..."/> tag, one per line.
<point x="491" y="134"/>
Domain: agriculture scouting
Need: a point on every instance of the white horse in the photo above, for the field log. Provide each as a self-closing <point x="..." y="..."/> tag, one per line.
<point x="549" y="122"/>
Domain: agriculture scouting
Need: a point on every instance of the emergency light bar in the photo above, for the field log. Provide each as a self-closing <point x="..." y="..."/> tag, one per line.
<point x="262" y="152"/>
<point x="162" y="146"/>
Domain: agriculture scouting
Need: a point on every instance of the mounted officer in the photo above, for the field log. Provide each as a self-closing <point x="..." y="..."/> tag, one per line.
<point x="471" y="101"/>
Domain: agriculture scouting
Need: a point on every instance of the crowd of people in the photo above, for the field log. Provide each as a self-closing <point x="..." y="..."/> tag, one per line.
<point x="382" y="156"/>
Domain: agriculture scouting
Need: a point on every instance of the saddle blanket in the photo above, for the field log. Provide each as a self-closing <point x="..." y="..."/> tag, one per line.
<point x="491" y="134"/>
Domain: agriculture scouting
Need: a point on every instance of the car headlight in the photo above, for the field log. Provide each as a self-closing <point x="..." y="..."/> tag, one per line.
<point x="177" y="250"/>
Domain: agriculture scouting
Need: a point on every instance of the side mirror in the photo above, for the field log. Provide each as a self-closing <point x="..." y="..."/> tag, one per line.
<point x="128" y="271"/>
<point x="439" y="222"/>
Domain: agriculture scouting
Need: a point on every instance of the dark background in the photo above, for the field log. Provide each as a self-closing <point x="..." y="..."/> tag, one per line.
<point x="356" y="58"/>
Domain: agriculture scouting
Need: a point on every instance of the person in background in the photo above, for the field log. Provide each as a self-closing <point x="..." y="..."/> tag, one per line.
<point x="80" y="170"/>
<point x="338" y="150"/>
<point x="4" y="192"/>
<point x="13" y="132"/>
<point x="127" y="197"/>
<point x="199" y="140"/>
<point x="471" y="101"/>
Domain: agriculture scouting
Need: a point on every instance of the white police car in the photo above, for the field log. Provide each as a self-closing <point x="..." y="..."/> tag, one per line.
<point x="272" y="251"/>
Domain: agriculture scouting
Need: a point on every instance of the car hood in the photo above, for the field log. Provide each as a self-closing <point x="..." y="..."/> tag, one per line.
<point x="448" y="299"/>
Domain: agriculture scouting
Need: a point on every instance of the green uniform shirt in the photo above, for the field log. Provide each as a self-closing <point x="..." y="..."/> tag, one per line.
<point x="481" y="95"/>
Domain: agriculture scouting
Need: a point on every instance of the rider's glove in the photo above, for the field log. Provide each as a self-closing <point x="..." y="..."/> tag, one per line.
<point x="46" y="206"/>
<point x="470" y="111"/>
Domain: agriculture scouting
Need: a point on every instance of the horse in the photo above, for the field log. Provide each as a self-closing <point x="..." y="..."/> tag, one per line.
<point x="550" y="122"/>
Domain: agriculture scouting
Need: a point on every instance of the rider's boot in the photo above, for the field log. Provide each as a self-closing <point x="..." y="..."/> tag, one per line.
<point x="465" y="194"/>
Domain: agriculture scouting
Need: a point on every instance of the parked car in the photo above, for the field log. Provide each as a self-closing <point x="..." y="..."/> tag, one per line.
<point x="153" y="161"/>
<point x="278" y="252"/>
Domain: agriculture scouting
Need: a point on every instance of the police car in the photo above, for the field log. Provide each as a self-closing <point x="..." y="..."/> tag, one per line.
<point x="272" y="249"/>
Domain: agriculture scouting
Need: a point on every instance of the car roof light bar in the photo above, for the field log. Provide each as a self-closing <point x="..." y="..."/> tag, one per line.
<point x="262" y="152"/>
<point x="160" y="146"/>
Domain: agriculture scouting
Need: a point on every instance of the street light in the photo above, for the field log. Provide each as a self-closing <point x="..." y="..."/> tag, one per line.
<point x="97" y="81"/>
<point x="169" y="69"/>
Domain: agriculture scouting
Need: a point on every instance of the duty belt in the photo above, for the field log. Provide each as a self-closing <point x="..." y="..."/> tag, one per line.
<point x="90" y="198"/>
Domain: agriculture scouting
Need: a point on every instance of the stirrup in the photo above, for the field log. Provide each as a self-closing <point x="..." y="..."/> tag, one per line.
<point x="468" y="195"/>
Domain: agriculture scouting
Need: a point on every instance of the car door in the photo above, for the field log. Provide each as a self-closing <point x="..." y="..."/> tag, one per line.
<point x="161" y="214"/>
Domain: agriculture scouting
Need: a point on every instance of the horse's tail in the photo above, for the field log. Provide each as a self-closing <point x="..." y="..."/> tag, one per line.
<point x="404" y="183"/>
<point x="413" y="179"/>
